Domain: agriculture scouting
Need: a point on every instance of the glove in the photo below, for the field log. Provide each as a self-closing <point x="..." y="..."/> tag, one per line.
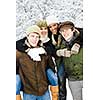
<point x="60" y="52"/>
<point x="75" y="48"/>
<point x="67" y="53"/>
<point x="63" y="52"/>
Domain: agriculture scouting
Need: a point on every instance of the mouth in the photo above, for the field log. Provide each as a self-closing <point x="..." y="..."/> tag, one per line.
<point x="54" y="31"/>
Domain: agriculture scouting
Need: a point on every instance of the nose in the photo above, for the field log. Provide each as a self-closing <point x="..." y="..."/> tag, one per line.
<point x="53" y="28"/>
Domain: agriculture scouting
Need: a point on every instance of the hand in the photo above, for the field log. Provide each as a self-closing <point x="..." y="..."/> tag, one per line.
<point x="63" y="52"/>
<point x="75" y="48"/>
<point x="67" y="53"/>
<point x="60" y="52"/>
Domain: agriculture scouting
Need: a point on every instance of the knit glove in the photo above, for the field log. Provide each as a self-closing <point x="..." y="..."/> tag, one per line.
<point x="63" y="52"/>
<point x="75" y="48"/>
<point x="67" y="53"/>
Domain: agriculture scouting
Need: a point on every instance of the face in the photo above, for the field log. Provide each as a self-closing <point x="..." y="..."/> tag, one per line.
<point x="33" y="39"/>
<point x="44" y="32"/>
<point x="53" y="28"/>
<point x="67" y="33"/>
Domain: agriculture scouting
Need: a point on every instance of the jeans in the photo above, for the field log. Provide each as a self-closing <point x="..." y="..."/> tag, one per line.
<point x="46" y="96"/>
<point x="18" y="84"/>
<point x="62" y="82"/>
<point x="50" y="75"/>
<point x="53" y="79"/>
<point x="61" y="70"/>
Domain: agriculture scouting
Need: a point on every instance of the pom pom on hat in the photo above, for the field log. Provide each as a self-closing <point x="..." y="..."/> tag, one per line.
<point x="51" y="19"/>
<point x="32" y="29"/>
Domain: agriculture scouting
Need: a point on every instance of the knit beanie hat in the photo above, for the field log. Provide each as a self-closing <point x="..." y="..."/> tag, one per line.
<point x="51" y="19"/>
<point x="42" y="23"/>
<point x="32" y="29"/>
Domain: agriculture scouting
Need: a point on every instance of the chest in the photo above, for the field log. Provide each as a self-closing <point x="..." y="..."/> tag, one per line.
<point x="29" y="66"/>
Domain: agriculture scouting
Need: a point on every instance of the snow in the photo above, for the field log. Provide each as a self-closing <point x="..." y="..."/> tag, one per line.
<point x="29" y="11"/>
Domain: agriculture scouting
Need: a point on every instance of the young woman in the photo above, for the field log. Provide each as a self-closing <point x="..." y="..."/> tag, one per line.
<point x="55" y="37"/>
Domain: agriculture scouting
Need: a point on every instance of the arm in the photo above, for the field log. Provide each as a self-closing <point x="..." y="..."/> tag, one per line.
<point x="51" y="63"/>
<point x="17" y="61"/>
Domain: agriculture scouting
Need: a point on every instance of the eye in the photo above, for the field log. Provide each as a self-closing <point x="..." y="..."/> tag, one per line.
<point x="61" y="31"/>
<point x="32" y="36"/>
<point x="50" y="26"/>
<point x="45" y="28"/>
<point x="37" y="36"/>
<point x="54" y="24"/>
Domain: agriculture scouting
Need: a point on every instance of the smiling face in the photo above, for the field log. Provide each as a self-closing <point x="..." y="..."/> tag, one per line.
<point x="33" y="39"/>
<point x="67" y="33"/>
<point x="44" y="32"/>
<point x="53" y="28"/>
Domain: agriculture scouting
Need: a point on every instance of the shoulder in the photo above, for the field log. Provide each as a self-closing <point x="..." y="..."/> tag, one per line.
<point x="21" y="40"/>
<point x="20" y="45"/>
<point x="45" y="56"/>
<point x="18" y="54"/>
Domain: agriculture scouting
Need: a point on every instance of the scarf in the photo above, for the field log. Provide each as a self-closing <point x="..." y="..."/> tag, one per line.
<point x="34" y="53"/>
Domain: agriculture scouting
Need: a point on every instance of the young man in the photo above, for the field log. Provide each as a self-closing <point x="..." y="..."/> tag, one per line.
<point x="31" y="66"/>
<point x="72" y="53"/>
<point x="50" y="50"/>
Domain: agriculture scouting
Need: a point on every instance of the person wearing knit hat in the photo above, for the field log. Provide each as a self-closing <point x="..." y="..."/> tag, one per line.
<point x="44" y="30"/>
<point x="53" y="24"/>
<point x="42" y="23"/>
<point x="32" y="29"/>
<point x="47" y="44"/>
<point x="32" y="65"/>
<point x="55" y="36"/>
<point x="32" y="39"/>
<point x="51" y="19"/>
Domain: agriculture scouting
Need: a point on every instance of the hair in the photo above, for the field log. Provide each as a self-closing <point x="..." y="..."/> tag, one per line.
<point x="68" y="24"/>
<point x="42" y="23"/>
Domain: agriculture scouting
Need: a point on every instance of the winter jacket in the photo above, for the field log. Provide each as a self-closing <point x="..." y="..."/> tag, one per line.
<point x="21" y="46"/>
<point x="33" y="73"/>
<point x="74" y="64"/>
<point x="48" y="46"/>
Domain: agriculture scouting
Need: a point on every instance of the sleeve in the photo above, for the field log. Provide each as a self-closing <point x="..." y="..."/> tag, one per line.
<point x="80" y="37"/>
<point x="52" y="63"/>
<point x="17" y="61"/>
<point x="20" y="45"/>
<point x="50" y="49"/>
